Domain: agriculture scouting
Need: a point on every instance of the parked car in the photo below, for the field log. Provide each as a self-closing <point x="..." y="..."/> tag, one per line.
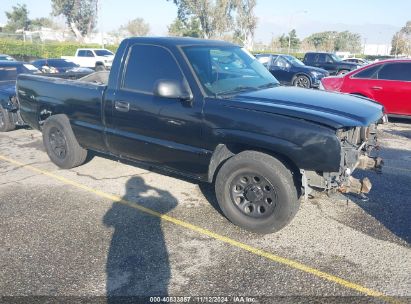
<point x="388" y="82"/>
<point x="56" y="65"/>
<point x="9" y="70"/>
<point x="4" y="57"/>
<point x="358" y="61"/>
<point x="330" y="62"/>
<point x="9" y="114"/>
<point x="164" y="104"/>
<point x="288" y="70"/>
<point x="97" y="59"/>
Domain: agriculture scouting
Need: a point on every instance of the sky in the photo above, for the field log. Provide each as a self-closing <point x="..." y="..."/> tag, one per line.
<point x="375" y="20"/>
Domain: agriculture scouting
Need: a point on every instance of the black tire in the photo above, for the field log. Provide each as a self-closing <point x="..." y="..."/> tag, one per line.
<point x="302" y="81"/>
<point x="273" y="210"/>
<point x="6" y="121"/>
<point x="99" y="68"/>
<point x="61" y="144"/>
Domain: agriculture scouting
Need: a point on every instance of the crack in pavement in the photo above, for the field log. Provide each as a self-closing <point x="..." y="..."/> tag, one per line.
<point x="107" y="178"/>
<point x="19" y="180"/>
<point x="19" y="167"/>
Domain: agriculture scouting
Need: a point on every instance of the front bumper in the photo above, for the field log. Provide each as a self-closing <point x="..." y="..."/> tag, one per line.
<point x="357" y="146"/>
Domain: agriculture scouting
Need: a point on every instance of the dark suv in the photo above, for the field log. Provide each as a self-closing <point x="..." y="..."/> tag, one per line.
<point x="288" y="70"/>
<point x="330" y="62"/>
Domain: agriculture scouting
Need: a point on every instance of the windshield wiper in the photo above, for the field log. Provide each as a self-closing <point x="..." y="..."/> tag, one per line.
<point x="238" y="89"/>
<point x="269" y="85"/>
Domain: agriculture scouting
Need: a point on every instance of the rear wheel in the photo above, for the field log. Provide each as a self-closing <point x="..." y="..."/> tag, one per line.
<point x="257" y="192"/>
<point x="60" y="143"/>
<point x="302" y="81"/>
<point x="99" y="68"/>
<point x="6" y="121"/>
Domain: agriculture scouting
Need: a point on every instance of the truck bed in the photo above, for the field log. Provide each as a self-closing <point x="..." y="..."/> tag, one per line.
<point x="80" y="100"/>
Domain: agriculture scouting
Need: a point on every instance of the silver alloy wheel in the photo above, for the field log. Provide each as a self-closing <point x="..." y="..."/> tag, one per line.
<point x="302" y="82"/>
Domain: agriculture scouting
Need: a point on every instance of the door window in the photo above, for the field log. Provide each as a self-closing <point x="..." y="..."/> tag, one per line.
<point x="400" y="71"/>
<point x="368" y="73"/>
<point x="310" y="57"/>
<point x="324" y="58"/>
<point x="146" y="64"/>
<point x="280" y="62"/>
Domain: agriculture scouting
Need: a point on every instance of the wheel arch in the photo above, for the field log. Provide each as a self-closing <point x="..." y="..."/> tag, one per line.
<point x="302" y="74"/>
<point x="223" y="152"/>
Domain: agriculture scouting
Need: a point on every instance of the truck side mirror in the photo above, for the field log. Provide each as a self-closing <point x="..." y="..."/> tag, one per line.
<point x="168" y="88"/>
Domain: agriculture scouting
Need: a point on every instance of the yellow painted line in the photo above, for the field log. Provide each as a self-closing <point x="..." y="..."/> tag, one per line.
<point x="256" y="251"/>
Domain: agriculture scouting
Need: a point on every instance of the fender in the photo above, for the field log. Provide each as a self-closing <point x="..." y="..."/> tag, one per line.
<point x="303" y="74"/>
<point x="299" y="155"/>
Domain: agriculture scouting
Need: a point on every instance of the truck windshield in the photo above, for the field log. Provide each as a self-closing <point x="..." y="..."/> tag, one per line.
<point x="103" y="53"/>
<point x="336" y="58"/>
<point x="228" y="70"/>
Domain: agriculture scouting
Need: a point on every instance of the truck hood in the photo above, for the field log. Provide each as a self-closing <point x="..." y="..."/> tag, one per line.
<point x="8" y="87"/>
<point x="331" y="109"/>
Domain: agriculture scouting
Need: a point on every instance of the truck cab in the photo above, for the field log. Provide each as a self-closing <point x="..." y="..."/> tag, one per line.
<point x="329" y="62"/>
<point x="209" y="110"/>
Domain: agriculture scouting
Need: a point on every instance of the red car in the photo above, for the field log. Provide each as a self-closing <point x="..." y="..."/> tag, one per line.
<point x="388" y="82"/>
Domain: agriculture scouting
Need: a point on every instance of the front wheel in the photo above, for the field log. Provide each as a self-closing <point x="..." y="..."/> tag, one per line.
<point x="99" y="68"/>
<point x="302" y="81"/>
<point x="6" y="121"/>
<point x="61" y="144"/>
<point x="257" y="192"/>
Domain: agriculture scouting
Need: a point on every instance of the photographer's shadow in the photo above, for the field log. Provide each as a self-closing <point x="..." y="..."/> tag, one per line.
<point x="137" y="262"/>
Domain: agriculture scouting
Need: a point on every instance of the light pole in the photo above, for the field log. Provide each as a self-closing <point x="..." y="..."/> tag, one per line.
<point x="289" y="26"/>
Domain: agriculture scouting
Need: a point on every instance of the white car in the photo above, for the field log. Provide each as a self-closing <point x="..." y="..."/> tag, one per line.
<point x="98" y="59"/>
<point x="4" y="57"/>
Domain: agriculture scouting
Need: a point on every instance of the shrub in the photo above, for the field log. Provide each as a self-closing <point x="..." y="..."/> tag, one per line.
<point x="31" y="50"/>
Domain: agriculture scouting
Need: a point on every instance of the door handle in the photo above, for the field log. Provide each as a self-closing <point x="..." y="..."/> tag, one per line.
<point x="122" y="106"/>
<point x="376" y="88"/>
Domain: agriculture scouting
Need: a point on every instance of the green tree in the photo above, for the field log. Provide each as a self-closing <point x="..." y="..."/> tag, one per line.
<point x="214" y="16"/>
<point x="401" y="41"/>
<point x="185" y="29"/>
<point x="17" y="19"/>
<point x="137" y="27"/>
<point x="347" y="41"/>
<point x="289" y="41"/>
<point x="245" y="22"/>
<point x="335" y="41"/>
<point x="38" y="23"/>
<point x="80" y="15"/>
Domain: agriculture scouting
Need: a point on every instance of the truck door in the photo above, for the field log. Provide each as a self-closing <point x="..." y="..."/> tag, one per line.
<point x="85" y="58"/>
<point x="149" y="128"/>
<point x="327" y="63"/>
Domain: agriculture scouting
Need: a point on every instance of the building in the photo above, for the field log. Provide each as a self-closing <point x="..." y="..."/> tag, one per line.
<point x="377" y="49"/>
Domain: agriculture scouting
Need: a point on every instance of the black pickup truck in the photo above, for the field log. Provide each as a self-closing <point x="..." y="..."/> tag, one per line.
<point x="329" y="62"/>
<point x="209" y="110"/>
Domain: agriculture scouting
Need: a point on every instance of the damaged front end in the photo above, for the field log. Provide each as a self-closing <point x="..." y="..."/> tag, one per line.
<point x="357" y="145"/>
